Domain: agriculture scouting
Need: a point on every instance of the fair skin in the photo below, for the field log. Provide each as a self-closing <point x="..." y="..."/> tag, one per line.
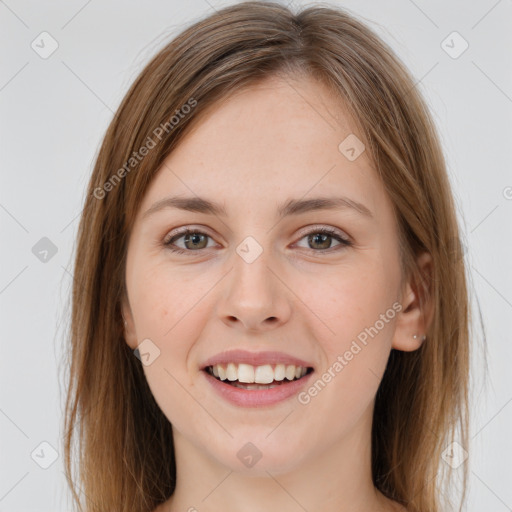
<point x="260" y="148"/>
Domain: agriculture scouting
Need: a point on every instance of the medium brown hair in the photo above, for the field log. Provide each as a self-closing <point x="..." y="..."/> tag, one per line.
<point x="124" y="452"/>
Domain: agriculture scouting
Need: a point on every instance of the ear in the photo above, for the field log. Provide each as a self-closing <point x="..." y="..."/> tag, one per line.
<point x="417" y="308"/>
<point x="130" y="335"/>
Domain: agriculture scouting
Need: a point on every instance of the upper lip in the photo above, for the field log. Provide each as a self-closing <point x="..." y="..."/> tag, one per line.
<point x="254" y="358"/>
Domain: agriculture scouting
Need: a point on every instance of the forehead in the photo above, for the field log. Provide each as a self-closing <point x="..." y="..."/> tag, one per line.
<point x="276" y="140"/>
<point x="270" y="116"/>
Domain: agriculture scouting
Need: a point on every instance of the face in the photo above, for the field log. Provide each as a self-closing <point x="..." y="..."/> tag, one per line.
<point x="266" y="281"/>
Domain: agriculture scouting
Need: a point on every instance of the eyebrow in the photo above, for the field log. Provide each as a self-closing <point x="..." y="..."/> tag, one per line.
<point x="291" y="207"/>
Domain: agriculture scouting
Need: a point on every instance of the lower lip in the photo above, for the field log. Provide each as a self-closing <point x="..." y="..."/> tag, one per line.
<point x="257" y="397"/>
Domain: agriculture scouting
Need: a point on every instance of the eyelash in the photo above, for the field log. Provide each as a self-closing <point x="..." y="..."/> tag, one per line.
<point x="324" y="231"/>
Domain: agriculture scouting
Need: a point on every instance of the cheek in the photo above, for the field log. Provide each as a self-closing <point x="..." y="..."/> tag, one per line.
<point x="167" y="306"/>
<point x="354" y="299"/>
<point x="163" y="298"/>
<point x="164" y="313"/>
<point x="359" y="307"/>
<point x="356" y="357"/>
<point x="152" y="300"/>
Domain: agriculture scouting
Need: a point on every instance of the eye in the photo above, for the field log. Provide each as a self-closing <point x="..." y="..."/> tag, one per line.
<point x="321" y="238"/>
<point x="193" y="240"/>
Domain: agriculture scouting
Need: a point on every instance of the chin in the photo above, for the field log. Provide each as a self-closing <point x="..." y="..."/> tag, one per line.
<point x="260" y="457"/>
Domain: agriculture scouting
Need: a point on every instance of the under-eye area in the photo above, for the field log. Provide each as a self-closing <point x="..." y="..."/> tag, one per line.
<point x="246" y="376"/>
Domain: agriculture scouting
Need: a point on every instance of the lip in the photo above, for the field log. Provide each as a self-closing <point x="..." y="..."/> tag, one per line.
<point x="256" y="397"/>
<point x="254" y="358"/>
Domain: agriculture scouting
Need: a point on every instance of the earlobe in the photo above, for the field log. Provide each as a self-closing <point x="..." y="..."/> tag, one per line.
<point x="409" y="345"/>
<point x="416" y="315"/>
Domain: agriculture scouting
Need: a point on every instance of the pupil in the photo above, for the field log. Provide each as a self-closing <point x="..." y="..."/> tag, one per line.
<point x="321" y="236"/>
<point x="193" y="238"/>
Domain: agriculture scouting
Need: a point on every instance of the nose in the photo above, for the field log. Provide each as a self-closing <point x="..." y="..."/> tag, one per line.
<point x="254" y="297"/>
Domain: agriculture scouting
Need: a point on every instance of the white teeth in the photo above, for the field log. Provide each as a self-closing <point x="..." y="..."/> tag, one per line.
<point x="290" y="372"/>
<point x="231" y="372"/>
<point x="246" y="373"/>
<point x="264" y="374"/>
<point x="279" y="372"/>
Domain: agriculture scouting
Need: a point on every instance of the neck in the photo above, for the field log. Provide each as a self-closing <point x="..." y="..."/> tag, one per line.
<point x="337" y="479"/>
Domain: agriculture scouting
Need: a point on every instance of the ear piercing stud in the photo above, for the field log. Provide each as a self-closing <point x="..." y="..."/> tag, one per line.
<point x="423" y="337"/>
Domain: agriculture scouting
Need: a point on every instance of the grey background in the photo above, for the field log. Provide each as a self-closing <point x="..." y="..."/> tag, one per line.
<point x="54" y="112"/>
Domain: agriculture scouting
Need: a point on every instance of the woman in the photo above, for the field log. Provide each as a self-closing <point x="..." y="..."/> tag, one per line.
<point x="269" y="308"/>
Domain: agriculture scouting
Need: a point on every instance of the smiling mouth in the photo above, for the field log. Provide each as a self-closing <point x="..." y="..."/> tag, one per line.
<point x="250" y="377"/>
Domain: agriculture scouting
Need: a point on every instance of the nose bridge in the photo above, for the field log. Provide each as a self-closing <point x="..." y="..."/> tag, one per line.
<point x="252" y="278"/>
<point x="254" y="295"/>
